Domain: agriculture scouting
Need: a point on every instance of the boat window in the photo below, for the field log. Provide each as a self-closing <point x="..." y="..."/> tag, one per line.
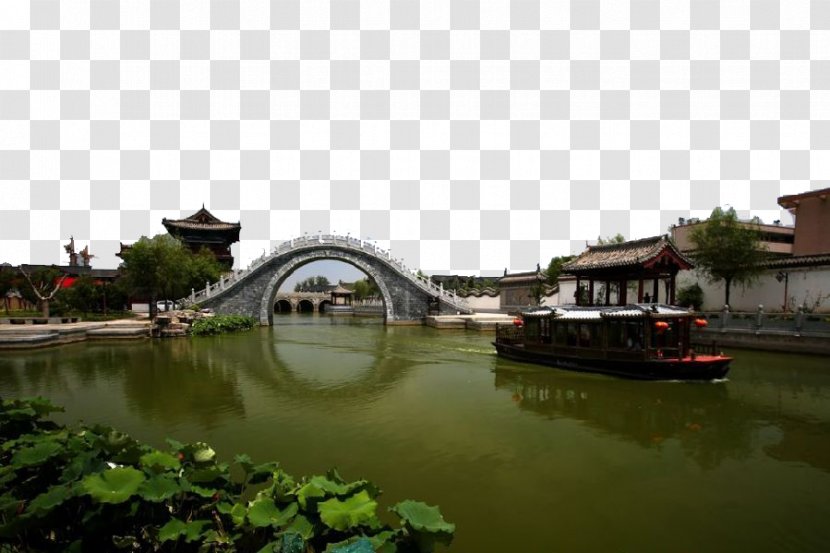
<point x="616" y="334"/>
<point x="665" y="338"/>
<point x="633" y="335"/>
<point x="531" y="329"/>
<point x="588" y="335"/>
<point x="560" y="333"/>
<point x="571" y="334"/>
<point x="544" y="330"/>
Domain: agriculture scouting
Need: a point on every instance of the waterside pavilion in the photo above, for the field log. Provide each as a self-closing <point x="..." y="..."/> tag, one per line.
<point x="648" y="259"/>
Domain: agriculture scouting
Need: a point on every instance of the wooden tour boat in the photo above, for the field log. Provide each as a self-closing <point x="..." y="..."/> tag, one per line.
<point x="645" y="341"/>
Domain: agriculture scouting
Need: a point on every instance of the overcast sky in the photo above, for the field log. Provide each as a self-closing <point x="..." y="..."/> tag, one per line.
<point x="332" y="270"/>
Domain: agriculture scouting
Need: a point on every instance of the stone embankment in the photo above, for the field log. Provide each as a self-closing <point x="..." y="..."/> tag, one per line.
<point x="478" y="321"/>
<point x="25" y="336"/>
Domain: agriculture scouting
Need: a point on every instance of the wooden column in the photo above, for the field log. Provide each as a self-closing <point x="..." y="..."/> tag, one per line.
<point x="640" y="292"/>
<point x="591" y="292"/>
<point x="655" y="289"/>
<point x="671" y="288"/>
<point x="607" y="292"/>
<point x="622" y="297"/>
<point x="578" y="283"/>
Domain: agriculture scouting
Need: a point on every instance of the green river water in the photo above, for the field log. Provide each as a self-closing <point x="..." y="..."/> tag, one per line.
<point x="520" y="458"/>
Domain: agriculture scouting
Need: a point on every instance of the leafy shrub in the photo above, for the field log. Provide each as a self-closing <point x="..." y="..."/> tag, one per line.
<point x="92" y="488"/>
<point x="220" y="324"/>
<point x="690" y="295"/>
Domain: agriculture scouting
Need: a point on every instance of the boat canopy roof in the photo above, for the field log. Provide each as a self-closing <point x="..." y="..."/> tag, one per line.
<point x="598" y="313"/>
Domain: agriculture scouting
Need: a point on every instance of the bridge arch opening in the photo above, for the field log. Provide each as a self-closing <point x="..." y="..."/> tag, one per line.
<point x="282" y="307"/>
<point x="332" y="285"/>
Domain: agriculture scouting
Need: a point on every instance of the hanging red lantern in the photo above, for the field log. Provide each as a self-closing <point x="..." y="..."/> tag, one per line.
<point x="700" y="323"/>
<point x="517" y="322"/>
<point x="661" y="325"/>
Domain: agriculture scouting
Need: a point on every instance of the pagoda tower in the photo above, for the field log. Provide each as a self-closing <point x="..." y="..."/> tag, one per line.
<point x="204" y="230"/>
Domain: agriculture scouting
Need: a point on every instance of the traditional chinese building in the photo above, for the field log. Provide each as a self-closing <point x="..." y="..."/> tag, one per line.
<point x="612" y="267"/>
<point x="204" y="230"/>
<point x="341" y="296"/>
<point x="521" y="290"/>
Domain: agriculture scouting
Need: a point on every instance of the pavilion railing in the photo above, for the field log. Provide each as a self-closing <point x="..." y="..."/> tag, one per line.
<point x="236" y="277"/>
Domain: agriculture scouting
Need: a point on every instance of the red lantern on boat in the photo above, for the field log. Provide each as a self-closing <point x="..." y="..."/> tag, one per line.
<point x="700" y="323"/>
<point x="517" y="322"/>
<point x="661" y="326"/>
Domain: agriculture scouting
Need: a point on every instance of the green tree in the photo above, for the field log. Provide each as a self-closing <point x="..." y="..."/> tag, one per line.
<point x="365" y="288"/>
<point x="201" y="267"/>
<point x="82" y="295"/>
<point x="690" y="295"/>
<point x="312" y="283"/>
<point x="617" y="239"/>
<point x="8" y="282"/>
<point x="728" y="250"/>
<point x="161" y="268"/>
<point x="44" y="283"/>
<point x="537" y="293"/>
<point x="555" y="268"/>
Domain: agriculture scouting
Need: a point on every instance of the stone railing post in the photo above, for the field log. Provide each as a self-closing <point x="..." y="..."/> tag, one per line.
<point x="799" y="319"/>
<point x="759" y="317"/>
<point x="724" y="320"/>
<point x="192" y="295"/>
<point x="207" y="288"/>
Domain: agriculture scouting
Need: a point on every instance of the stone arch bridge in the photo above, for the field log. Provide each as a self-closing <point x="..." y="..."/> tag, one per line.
<point x="407" y="297"/>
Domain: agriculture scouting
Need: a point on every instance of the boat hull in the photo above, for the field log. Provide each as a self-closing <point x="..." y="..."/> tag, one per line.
<point x="701" y="368"/>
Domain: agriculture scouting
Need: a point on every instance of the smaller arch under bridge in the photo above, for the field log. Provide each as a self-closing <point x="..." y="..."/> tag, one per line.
<point x="406" y="296"/>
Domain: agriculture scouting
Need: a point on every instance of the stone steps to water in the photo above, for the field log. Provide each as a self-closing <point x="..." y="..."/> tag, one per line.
<point x="38" y="336"/>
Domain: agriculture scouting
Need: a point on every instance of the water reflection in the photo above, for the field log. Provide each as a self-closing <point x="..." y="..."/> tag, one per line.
<point x="700" y="416"/>
<point x="355" y="364"/>
<point x="180" y="380"/>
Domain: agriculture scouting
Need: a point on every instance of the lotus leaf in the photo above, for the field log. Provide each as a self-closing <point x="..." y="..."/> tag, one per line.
<point x="425" y="521"/>
<point x="307" y="492"/>
<point x="244" y="461"/>
<point x="301" y="525"/>
<point x="270" y="547"/>
<point x="158" y="488"/>
<point x="203" y="453"/>
<point x="24" y="413"/>
<point x="238" y="513"/>
<point x="50" y="499"/>
<point x="342" y="515"/>
<point x="195" y="529"/>
<point x="113" y="485"/>
<point x="176" y="528"/>
<point x="261" y="473"/>
<point x="159" y="459"/>
<point x="263" y="512"/>
<point x="42" y="405"/>
<point x="36" y="454"/>
<point x="172" y="530"/>
<point x="205" y="475"/>
<point x="203" y="492"/>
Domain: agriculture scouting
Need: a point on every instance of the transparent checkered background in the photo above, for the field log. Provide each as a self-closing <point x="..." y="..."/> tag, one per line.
<point x="467" y="136"/>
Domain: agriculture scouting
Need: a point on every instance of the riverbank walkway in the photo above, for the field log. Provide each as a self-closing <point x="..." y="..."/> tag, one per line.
<point x="14" y="336"/>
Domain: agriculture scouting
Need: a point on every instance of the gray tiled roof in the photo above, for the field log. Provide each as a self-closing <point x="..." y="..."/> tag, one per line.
<point x="625" y="254"/>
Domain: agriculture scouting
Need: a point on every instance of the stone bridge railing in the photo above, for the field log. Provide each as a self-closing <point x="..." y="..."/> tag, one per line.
<point x="238" y="278"/>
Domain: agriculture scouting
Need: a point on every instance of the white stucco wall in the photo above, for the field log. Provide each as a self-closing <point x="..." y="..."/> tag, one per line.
<point x="806" y="285"/>
<point x="483" y="304"/>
